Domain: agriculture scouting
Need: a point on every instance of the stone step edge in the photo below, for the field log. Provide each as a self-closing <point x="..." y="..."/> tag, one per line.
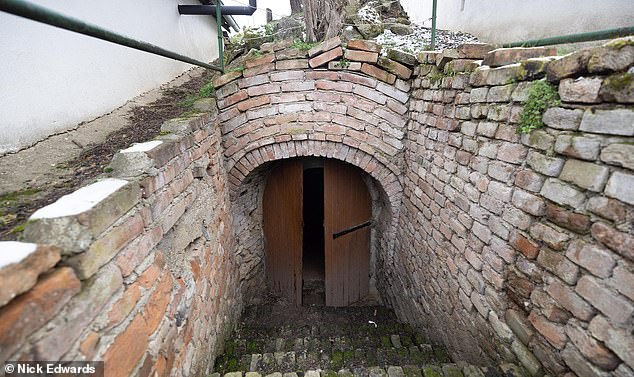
<point x="429" y="370"/>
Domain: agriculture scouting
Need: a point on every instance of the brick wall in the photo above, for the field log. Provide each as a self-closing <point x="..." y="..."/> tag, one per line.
<point x="145" y="275"/>
<point x="504" y="247"/>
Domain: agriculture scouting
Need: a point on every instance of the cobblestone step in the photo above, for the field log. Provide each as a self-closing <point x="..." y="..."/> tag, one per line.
<point x="427" y="370"/>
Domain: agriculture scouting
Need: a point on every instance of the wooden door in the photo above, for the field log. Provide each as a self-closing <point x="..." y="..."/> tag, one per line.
<point x="283" y="217"/>
<point x="347" y="213"/>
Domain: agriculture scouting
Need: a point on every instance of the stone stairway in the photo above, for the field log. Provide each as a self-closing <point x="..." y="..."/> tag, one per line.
<point x="284" y="341"/>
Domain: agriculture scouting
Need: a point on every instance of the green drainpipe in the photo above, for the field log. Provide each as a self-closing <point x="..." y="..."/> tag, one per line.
<point x="221" y="57"/>
<point x="433" y="25"/>
<point x="575" y="38"/>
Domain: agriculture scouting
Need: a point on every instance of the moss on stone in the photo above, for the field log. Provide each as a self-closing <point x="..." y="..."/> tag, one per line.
<point x="432" y="371"/>
<point x="619" y="81"/>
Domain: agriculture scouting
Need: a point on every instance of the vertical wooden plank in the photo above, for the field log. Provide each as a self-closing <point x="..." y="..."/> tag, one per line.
<point x="347" y="203"/>
<point x="283" y="217"/>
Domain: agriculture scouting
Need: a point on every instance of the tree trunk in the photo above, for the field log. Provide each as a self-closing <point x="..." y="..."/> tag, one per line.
<point x="324" y="19"/>
<point x="296" y="6"/>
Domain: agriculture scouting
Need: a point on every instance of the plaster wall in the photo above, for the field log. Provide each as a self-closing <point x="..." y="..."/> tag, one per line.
<point x="522" y="20"/>
<point x="53" y="79"/>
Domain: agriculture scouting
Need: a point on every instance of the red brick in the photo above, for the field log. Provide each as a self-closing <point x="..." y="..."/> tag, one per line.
<point x="233" y="99"/>
<point x="226" y="78"/>
<point x="595" y="259"/>
<point x="620" y="341"/>
<point x="298" y="86"/>
<point x="17" y="278"/>
<point x="525" y="246"/>
<point x="364" y="45"/>
<point x="357" y="79"/>
<point x="473" y="50"/>
<point x="130" y="257"/>
<point x="156" y="306"/>
<point x="569" y="220"/>
<point x="124" y="305"/>
<point x="287" y="75"/>
<point x="339" y="86"/>
<point x="322" y="75"/>
<point x="609" y="303"/>
<point x="592" y="349"/>
<point x="253" y="80"/>
<point x="31" y="310"/>
<point x="264" y="68"/>
<point x="378" y="73"/>
<point x="571" y="301"/>
<point x="128" y="348"/>
<point x="324" y="46"/>
<point x="552" y="332"/>
<point x="620" y="242"/>
<point x="263" y="89"/>
<point x="253" y="102"/>
<point x="292" y="64"/>
<point x="361" y="56"/>
<point x="260" y="60"/>
<point x="88" y="346"/>
<point x="325" y="57"/>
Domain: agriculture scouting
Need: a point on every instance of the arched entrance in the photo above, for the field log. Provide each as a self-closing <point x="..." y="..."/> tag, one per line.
<point x="317" y="217"/>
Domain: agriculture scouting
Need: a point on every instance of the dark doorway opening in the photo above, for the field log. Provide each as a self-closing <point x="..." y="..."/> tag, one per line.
<point x="314" y="272"/>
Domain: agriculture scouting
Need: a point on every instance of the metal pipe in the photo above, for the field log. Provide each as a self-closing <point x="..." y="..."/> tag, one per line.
<point x="574" y="38"/>
<point x="219" y="24"/>
<point x="227" y="10"/>
<point x="433" y="24"/>
<point x="38" y="13"/>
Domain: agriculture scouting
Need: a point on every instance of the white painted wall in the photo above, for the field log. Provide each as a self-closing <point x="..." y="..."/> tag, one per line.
<point x="500" y="21"/>
<point x="52" y="79"/>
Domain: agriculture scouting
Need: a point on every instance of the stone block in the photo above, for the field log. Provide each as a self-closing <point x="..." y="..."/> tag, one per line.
<point x="609" y="208"/>
<point x="563" y="119"/>
<point x="619" y="341"/>
<point x="263" y="89"/>
<point x="582" y="89"/>
<point x="552" y="235"/>
<point x="290" y="53"/>
<point x="571" y="301"/>
<point x="519" y="324"/>
<point x="619" y="154"/>
<point x="276" y="46"/>
<point x="578" y="147"/>
<point x="233" y="99"/>
<point x="591" y="348"/>
<point x="253" y="102"/>
<point x="562" y="193"/>
<point x="614" y="56"/>
<point x="580" y="366"/>
<point x="394" y="67"/>
<point x="597" y="260"/>
<point x="586" y="175"/>
<point x="258" y="70"/>
<point x="402" y="57"/>
<point x="479" y="76"/>
<point x="601" y="297"/>
<point x="20" y="266"/>
<point x="473" y="50"/>
<point x="361" y="56"/>
<point x="529" y="203"/>
<point x="570" y="65"/>
<point x="460" y="65"/>
<point x="621" y="186"/>
<point x="324" y="46"/>
<point x="527" y="359"/>
<point x="512" y="153"/>
<point x="74" y="220"/>
<point x="618" y="88"/>
<point x="550" y="166"/>
<point x="539" y="139"/>
<point x="427" y="57"/>
<point x="501" y="93"/>
<point x="504" y="75"/>
<point x="610" y="122"/>
<point x="506" y="56"/>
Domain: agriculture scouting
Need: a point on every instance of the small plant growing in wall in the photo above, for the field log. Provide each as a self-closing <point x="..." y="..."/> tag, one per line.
<point x="541" y="96"/>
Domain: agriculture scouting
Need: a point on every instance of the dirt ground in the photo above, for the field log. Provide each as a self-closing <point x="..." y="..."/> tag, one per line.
<point x="37" y="176"/>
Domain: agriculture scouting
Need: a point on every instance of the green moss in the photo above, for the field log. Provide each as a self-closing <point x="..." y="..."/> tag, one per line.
<point x="252" y="347"/>
<point x="619" y="81"/>
<point x="432" y="371"/>
<point x="348" y="355"/>
<point x="232" y="365"/>
<point x="18" y="228"/>
<point x="303" y="46"/>
<point x="621" y="42"/>
<point x="108" y="169"/>
<point x="385" y="341"/>
<point x="541" y="96"/>
<point x="15" y="195"/>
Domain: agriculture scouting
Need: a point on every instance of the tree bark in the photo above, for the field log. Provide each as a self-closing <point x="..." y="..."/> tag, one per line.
<point x="296" y="6"/>
<point x="324" y="18"/>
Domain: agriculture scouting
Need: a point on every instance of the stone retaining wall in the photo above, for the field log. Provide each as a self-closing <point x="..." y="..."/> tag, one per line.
<point x="521" y="246"/>
<point x="505" y="247"/>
